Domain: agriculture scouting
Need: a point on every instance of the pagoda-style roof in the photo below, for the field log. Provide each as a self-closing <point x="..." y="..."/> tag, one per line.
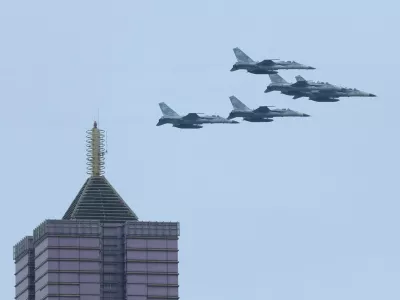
<point x="98" y="200"/>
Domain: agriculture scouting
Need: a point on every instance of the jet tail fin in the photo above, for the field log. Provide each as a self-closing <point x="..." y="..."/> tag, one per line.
<point x="275" y="78"/>
<point x="241" y="56"/>
<point x="237" y="104"/>
<point x="167" y="111"/>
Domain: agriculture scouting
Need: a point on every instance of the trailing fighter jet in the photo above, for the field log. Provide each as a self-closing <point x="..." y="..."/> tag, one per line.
<point x="315" y="90"/>
<point x="260" y="114"/>
<point x="190" y="121"/>
<point x="267" y="66"/>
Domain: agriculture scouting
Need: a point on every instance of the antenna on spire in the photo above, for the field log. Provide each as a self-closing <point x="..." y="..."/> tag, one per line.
<point x="95" y="151"/>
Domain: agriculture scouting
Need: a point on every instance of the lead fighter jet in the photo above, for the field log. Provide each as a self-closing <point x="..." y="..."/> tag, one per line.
<point x="190" y="121"/>
<point x="315" y="91"/>
<point x="260" y="114"/>
<point x="267" y="66"/>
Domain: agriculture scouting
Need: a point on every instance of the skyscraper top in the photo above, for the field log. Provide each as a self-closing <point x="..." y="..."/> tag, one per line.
<point x="97" y="199"/>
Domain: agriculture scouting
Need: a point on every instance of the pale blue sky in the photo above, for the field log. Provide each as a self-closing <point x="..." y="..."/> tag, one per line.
<point x="294" y="209"/>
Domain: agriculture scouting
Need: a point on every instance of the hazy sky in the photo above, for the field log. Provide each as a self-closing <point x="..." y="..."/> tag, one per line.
<point x="293" y="209"/>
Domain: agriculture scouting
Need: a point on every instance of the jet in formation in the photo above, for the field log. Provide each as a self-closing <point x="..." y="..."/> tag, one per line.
<point x="267" y="66"/>
<point x="260" y="114"/>
<point x="190" y="121"/>
<point x="315" y="91"/>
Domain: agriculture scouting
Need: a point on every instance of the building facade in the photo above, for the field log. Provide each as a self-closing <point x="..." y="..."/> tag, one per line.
<point x="98" y="251"/>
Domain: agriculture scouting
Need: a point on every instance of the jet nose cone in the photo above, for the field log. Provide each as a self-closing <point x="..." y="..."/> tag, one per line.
<point x="372" y="95"/>
<point x="306" y="115"/>
<point x="234" y="122"/>
<point x="311" y="68"/>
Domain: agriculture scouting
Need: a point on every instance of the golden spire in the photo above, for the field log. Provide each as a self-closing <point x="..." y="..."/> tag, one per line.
<point x="95" y="151"/>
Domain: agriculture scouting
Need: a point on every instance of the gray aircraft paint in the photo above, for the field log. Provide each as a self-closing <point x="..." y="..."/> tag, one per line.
<point x="316" y="91"/>
<point x="267" y="66"/>
<point x="189" y="121"/>
<point x="260" y="114"/>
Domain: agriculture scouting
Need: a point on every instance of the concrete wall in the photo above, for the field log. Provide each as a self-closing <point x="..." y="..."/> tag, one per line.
<point x="151" y="260"/>
<point x="68" y="261"/>
<point x="24" y="269"/>
<point x="89" y="260"/>
<point x="113" y="262"/>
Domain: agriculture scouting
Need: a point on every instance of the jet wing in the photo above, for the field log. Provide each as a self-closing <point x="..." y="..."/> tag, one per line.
<point x="262" y="109"/>
<point x="266" y="62"/>
<point x="191" y="116"/>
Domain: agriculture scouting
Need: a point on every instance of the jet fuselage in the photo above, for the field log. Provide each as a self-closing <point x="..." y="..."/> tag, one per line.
<point x="332" y="95"/>
<point x="270" y="114"/>
<point x="183" y="123"/>
<point x="256" y="68"/>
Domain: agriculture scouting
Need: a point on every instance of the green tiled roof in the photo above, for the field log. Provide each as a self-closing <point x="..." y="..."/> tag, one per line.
<point x="98" y="200"/>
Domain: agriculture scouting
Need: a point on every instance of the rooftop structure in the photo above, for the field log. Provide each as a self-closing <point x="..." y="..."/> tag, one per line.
<point x="99" y="250"/>
<point x="97" y="199"/>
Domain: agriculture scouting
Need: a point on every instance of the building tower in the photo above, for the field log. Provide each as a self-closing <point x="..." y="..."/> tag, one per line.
<point x="99" y="250"/>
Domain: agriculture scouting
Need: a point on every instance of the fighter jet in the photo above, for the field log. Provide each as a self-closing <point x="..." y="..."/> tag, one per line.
<point x="260" y="114"/>
<point x="190" y="121"/>
<point x="315" y="91"/>
<point x="267" y="66"/>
